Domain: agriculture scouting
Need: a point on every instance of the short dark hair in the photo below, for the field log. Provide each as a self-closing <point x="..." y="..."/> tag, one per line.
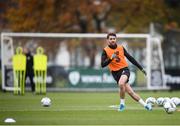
<point x="110" y="34"/>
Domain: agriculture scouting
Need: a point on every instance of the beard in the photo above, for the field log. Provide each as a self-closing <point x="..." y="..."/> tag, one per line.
<point x="113" y="46"/>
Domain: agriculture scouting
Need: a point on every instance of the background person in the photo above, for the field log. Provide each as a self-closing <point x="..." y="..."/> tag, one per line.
<point x="29" y="67"/>
<point x="113" y="56"/>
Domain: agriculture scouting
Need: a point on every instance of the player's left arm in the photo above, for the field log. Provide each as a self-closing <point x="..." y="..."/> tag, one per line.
<point x="133" y="61"/>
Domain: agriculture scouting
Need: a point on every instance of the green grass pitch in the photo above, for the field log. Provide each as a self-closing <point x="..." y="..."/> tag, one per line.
<point x="82" y="108"/>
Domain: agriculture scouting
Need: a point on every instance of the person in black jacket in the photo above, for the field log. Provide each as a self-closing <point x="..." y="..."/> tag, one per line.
<point x="29" y="67"/>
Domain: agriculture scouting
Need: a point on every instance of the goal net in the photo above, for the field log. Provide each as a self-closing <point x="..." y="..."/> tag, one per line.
<point x="74" y="60"/>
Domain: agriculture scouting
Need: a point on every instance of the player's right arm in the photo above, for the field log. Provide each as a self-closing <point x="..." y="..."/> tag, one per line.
<point x="105" y="60"/>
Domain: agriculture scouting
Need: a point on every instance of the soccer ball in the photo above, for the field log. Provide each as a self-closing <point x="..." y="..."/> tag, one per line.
<point x="160" y="101"/>
<point x="46" y="102"/>
<point x="169" y="107"/>
<point x="151" y="100"/>
<point x="175" y="100"/>
<point x="167" y="99"/>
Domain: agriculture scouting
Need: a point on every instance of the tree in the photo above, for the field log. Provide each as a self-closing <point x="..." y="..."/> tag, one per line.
<point x="89" y="15"/>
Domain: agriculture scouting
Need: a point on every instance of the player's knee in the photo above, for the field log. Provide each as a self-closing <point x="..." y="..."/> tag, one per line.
<point x="121" y="85"/>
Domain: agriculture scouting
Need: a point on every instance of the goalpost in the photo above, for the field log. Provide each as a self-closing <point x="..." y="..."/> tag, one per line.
<point x="10" y="41"/>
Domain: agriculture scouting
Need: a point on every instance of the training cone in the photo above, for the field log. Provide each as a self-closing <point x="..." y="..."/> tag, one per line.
<point x="9" y="120"/>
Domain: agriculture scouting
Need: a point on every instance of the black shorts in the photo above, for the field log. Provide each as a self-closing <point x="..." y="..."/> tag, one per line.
<point x="117" y="74"/>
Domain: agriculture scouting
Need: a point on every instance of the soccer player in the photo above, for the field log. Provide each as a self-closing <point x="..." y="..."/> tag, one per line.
<point x="113" y="56"/>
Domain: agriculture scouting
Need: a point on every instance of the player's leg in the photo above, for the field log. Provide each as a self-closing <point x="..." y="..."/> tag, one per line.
<point x="122" y="81"/>
<point x="130" y="91"/>
<point x="136" y="97"/>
